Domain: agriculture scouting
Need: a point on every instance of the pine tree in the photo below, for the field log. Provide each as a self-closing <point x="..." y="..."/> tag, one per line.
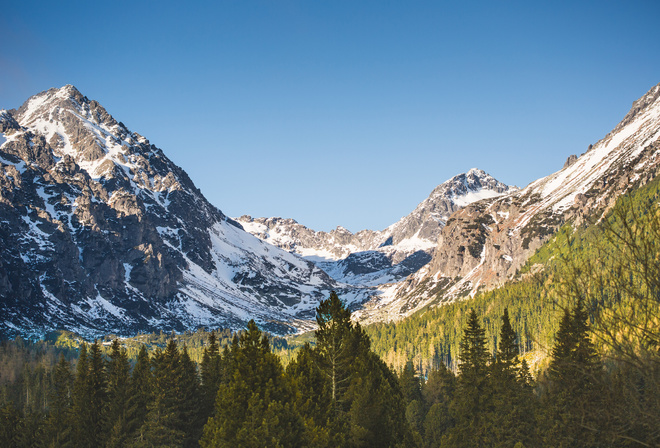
<point x="190" y="401"/>
<point x="438" y="392"/>
<point x="332" y="343"/>
<point x="572" y="401"/>
<point x="508" y="350"/>
<point x="524" y="375"/>
<point x="81" y="394"/>
<point x="511" y="420"/>
<point x="97" y="406"/>
<point x="140" y="394"/>
<point x="377" y="407"/>
<point x="474" y="357"/>
<point x="30" y="433"/>
<point x="411" y="387"/>
<point x="10" y="423"/>
<point x="367" y="405"/>
<point x="313" y="400"/>
<point x="211" y="373"/>
<point x="162" y="426"/>
<point x="472" y="402"/>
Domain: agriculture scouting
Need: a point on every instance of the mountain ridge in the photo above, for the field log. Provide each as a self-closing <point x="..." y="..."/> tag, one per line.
<point x="102" y="232"/>
<point x="485" y="243"/>
<point x="370" y="257"/>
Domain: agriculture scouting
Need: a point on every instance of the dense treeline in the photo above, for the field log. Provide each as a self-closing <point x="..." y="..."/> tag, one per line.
<point x="584" y="399"/>
<point x="340" y="394"/>
<point x="433" y="337"/>
<point x="26" y="365"/>
<point x="337" y="393"/>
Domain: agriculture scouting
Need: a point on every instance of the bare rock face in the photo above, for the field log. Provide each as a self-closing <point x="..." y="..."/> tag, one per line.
<point x="570" y="161"/>
<point x="100" y="232"/>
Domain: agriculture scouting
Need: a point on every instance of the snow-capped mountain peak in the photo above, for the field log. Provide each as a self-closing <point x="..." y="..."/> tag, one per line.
<point x="368" y="257"/>
<point x="101" y="232"/>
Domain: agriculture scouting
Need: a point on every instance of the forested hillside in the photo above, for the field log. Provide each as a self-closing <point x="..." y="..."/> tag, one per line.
<point x="536" y="298"/>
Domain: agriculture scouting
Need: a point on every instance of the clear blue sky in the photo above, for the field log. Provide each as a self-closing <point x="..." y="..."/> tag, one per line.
<point x="342" y="112"/>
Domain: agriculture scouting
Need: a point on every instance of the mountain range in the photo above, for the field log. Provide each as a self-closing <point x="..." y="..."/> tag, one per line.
<point x="99" y="235"/>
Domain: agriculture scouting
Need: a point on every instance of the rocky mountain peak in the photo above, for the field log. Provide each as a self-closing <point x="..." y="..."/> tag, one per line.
<point x="370" y="257"/>
<point x="101" y="232"/>
<point x="474" y="180"/>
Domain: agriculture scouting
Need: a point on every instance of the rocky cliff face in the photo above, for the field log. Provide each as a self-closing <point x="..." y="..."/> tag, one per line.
<point x="372" y="258"/>
<point x="101" y="232"/>
<point x="485" y="243"/>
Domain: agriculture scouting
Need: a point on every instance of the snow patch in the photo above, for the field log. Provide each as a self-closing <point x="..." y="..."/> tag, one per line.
<point x="474" y="196"/>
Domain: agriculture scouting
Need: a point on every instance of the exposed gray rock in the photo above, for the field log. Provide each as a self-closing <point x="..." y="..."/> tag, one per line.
<point x="570" y="161"/>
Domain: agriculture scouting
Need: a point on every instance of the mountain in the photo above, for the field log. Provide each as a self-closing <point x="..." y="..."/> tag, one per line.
<point x="101" y="232"/>
<point x="485" y="243"/>
<point x="372" y="258"/>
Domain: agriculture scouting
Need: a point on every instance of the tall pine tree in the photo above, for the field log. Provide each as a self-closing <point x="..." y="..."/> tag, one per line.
<point x="472" y="402"/>
<point x="571" y="406"/>
<point x="211" y="373"/>
<point x="140" y="393"/>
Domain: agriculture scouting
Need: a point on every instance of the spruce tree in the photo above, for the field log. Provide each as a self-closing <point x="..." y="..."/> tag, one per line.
<point x="211" y="373"/>
<point x="411" y="387"/>
<point x="438" y="392"/>
<point x="571" y="404"/>
<point x="162" y="426"/>
<point x="97" y="406"/>
<point x="472" y="402"/>
<point x="140" y="394"/>
<point x="190" y="400"/>
<point x="367" y="405"/>
<point x="313" y="399"/>
<point x="81" y="395"/>
<point x="508" y="350"/>
<point x="333" y="345"/>
<point x="10" y="425"/>
<point x="511" y="419"/>
<point x="474" y="357"/>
